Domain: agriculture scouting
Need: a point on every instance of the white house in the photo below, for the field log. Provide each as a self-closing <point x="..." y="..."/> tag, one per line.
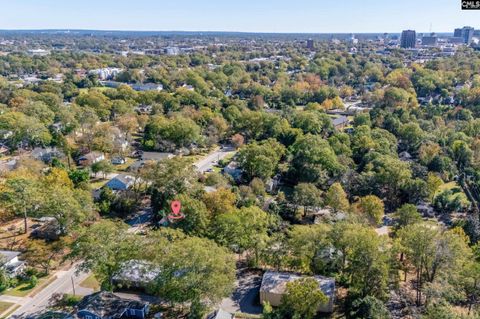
<point x="9" y="261"/>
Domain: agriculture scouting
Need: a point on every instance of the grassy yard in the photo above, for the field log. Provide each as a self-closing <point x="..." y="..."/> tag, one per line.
<point x="4" y="307"/>
<point x="447" y="186"/>
<point x="123" y="167"/>
<point x="90" y="282"/>
<point x="24" y="289"/>
<point x="98" y="183"/>
<point x="100" y="88"/>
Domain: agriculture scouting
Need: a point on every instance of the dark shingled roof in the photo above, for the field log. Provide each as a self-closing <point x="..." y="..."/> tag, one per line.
<point x="107" y="304"/>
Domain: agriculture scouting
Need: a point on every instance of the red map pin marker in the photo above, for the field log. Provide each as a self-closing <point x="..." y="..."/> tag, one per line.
<point x="176" y="205"/>
<point x="176" y="213"/>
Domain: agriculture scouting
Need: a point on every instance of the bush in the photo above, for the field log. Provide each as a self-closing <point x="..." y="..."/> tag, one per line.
<point x="33" y="281"/>
<point x="368" y="308"/>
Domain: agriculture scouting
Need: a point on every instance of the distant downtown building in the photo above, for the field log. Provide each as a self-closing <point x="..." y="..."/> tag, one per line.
<point x="466" y="33"/>
<point x="430" y="40"/>
<point x="310" y="44"/>
<point x="408" y="39"/>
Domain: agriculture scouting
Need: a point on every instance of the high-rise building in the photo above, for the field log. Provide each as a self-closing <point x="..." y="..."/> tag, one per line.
<point x="466" y="33"/>
<point x="408" y="39"/>
<point x="310" y="44"/>
<point x="430" y="40"/>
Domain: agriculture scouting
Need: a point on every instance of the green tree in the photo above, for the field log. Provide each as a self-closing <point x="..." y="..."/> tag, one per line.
<point x="336" y="198"/>
<point x="103" y="248"/>
<point x="196" y="271"/>
<point x="369" y="308"/>
<point x="105" y="167"/>
<point x="261" y="159"/>
<point x="305" y="245"/>
<point x="433" y="253"/>
<point x="244" y="230"/>
<point x="197" y="217"/>
<point x="307" y="195"/>
<point x="314" y="161"/>
<point x="407" y="215"/>
<point x="21" y="196"/>
<point x="303" y="298"/>
<point x="371" y="208"/>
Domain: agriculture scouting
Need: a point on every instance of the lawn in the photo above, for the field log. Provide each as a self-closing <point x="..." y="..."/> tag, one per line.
<point x="90" y="282"/>
<point x="447" y="186"/>
<point x="123" y="167"/>
<point x="98" y="183"/>
<point x="100" y="88"/>
<point x="4" y="306"/>
<point x="24" y="289"/>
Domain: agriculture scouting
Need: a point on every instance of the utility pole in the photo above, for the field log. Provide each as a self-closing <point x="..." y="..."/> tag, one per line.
<point x="73" y="285"/>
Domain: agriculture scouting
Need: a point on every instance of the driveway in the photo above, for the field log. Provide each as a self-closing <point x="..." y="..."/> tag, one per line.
<point x="245" y="297"/>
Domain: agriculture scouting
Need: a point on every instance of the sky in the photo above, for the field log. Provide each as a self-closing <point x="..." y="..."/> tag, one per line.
<point x="291" y="16"/>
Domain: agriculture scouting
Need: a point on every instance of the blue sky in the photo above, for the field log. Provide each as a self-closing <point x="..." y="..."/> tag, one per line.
<point x="316" y="16"/>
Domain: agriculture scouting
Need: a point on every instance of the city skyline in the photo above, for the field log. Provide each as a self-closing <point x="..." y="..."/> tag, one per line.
<point x="268" y="16"/>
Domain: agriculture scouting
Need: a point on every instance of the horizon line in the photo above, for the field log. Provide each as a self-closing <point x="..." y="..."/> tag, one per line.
<point x="203" y="31"/>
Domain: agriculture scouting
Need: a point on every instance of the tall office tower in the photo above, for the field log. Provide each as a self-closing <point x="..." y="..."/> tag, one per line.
<point x="310" y="44"/>
<point x="466" y="33"/>
<point x="408" y="39"/>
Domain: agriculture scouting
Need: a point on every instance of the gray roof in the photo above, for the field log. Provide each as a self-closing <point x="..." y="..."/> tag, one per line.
<point x="9" y="255"/>
<point x="340" y="120"/>
<point x="276" y="282"/>
<point x="136" y="273"/>
<point x="156" y="156"/>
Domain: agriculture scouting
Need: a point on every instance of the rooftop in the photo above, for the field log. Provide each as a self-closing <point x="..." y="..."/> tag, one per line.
<point x="108" y="305"/>
<point x="276" y="282"/>
<point x="9" y="255"/>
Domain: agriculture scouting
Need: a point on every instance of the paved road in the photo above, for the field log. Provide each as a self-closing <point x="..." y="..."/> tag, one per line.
<point x="209" y="161"/>
<point x="63" y="284"/>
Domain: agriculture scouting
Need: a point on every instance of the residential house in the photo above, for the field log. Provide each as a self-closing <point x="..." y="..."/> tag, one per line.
<point x="46" y="154"/>
<point x="8" y="165"/>
<point x="274" y="285"/>
<point x="340" y="122"/>
<point x="144" y="109"/>
<point x="106" y="305"/>
<point x="91" y="158"/>
<point x="50" y="231"/>
<point x="405" y="156"/>
<point x="271" y="185"/>
<point x="4" y="149"/>
<point x="11" y="263"/>
<point x="156" y="156"/>
<point x="147" y="87"/>
<point x="121" y="182"/>
<point x="118" y="160"/>
<point x="233" y="170"/>
<point x="135" y="274"/>
<point x="426" y="209"/>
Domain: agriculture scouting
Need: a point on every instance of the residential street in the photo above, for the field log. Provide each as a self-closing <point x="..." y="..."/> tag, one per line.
<point x="38" y="302"/>
<point x="63" y="284"/>
<point x="209" y="161"/>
